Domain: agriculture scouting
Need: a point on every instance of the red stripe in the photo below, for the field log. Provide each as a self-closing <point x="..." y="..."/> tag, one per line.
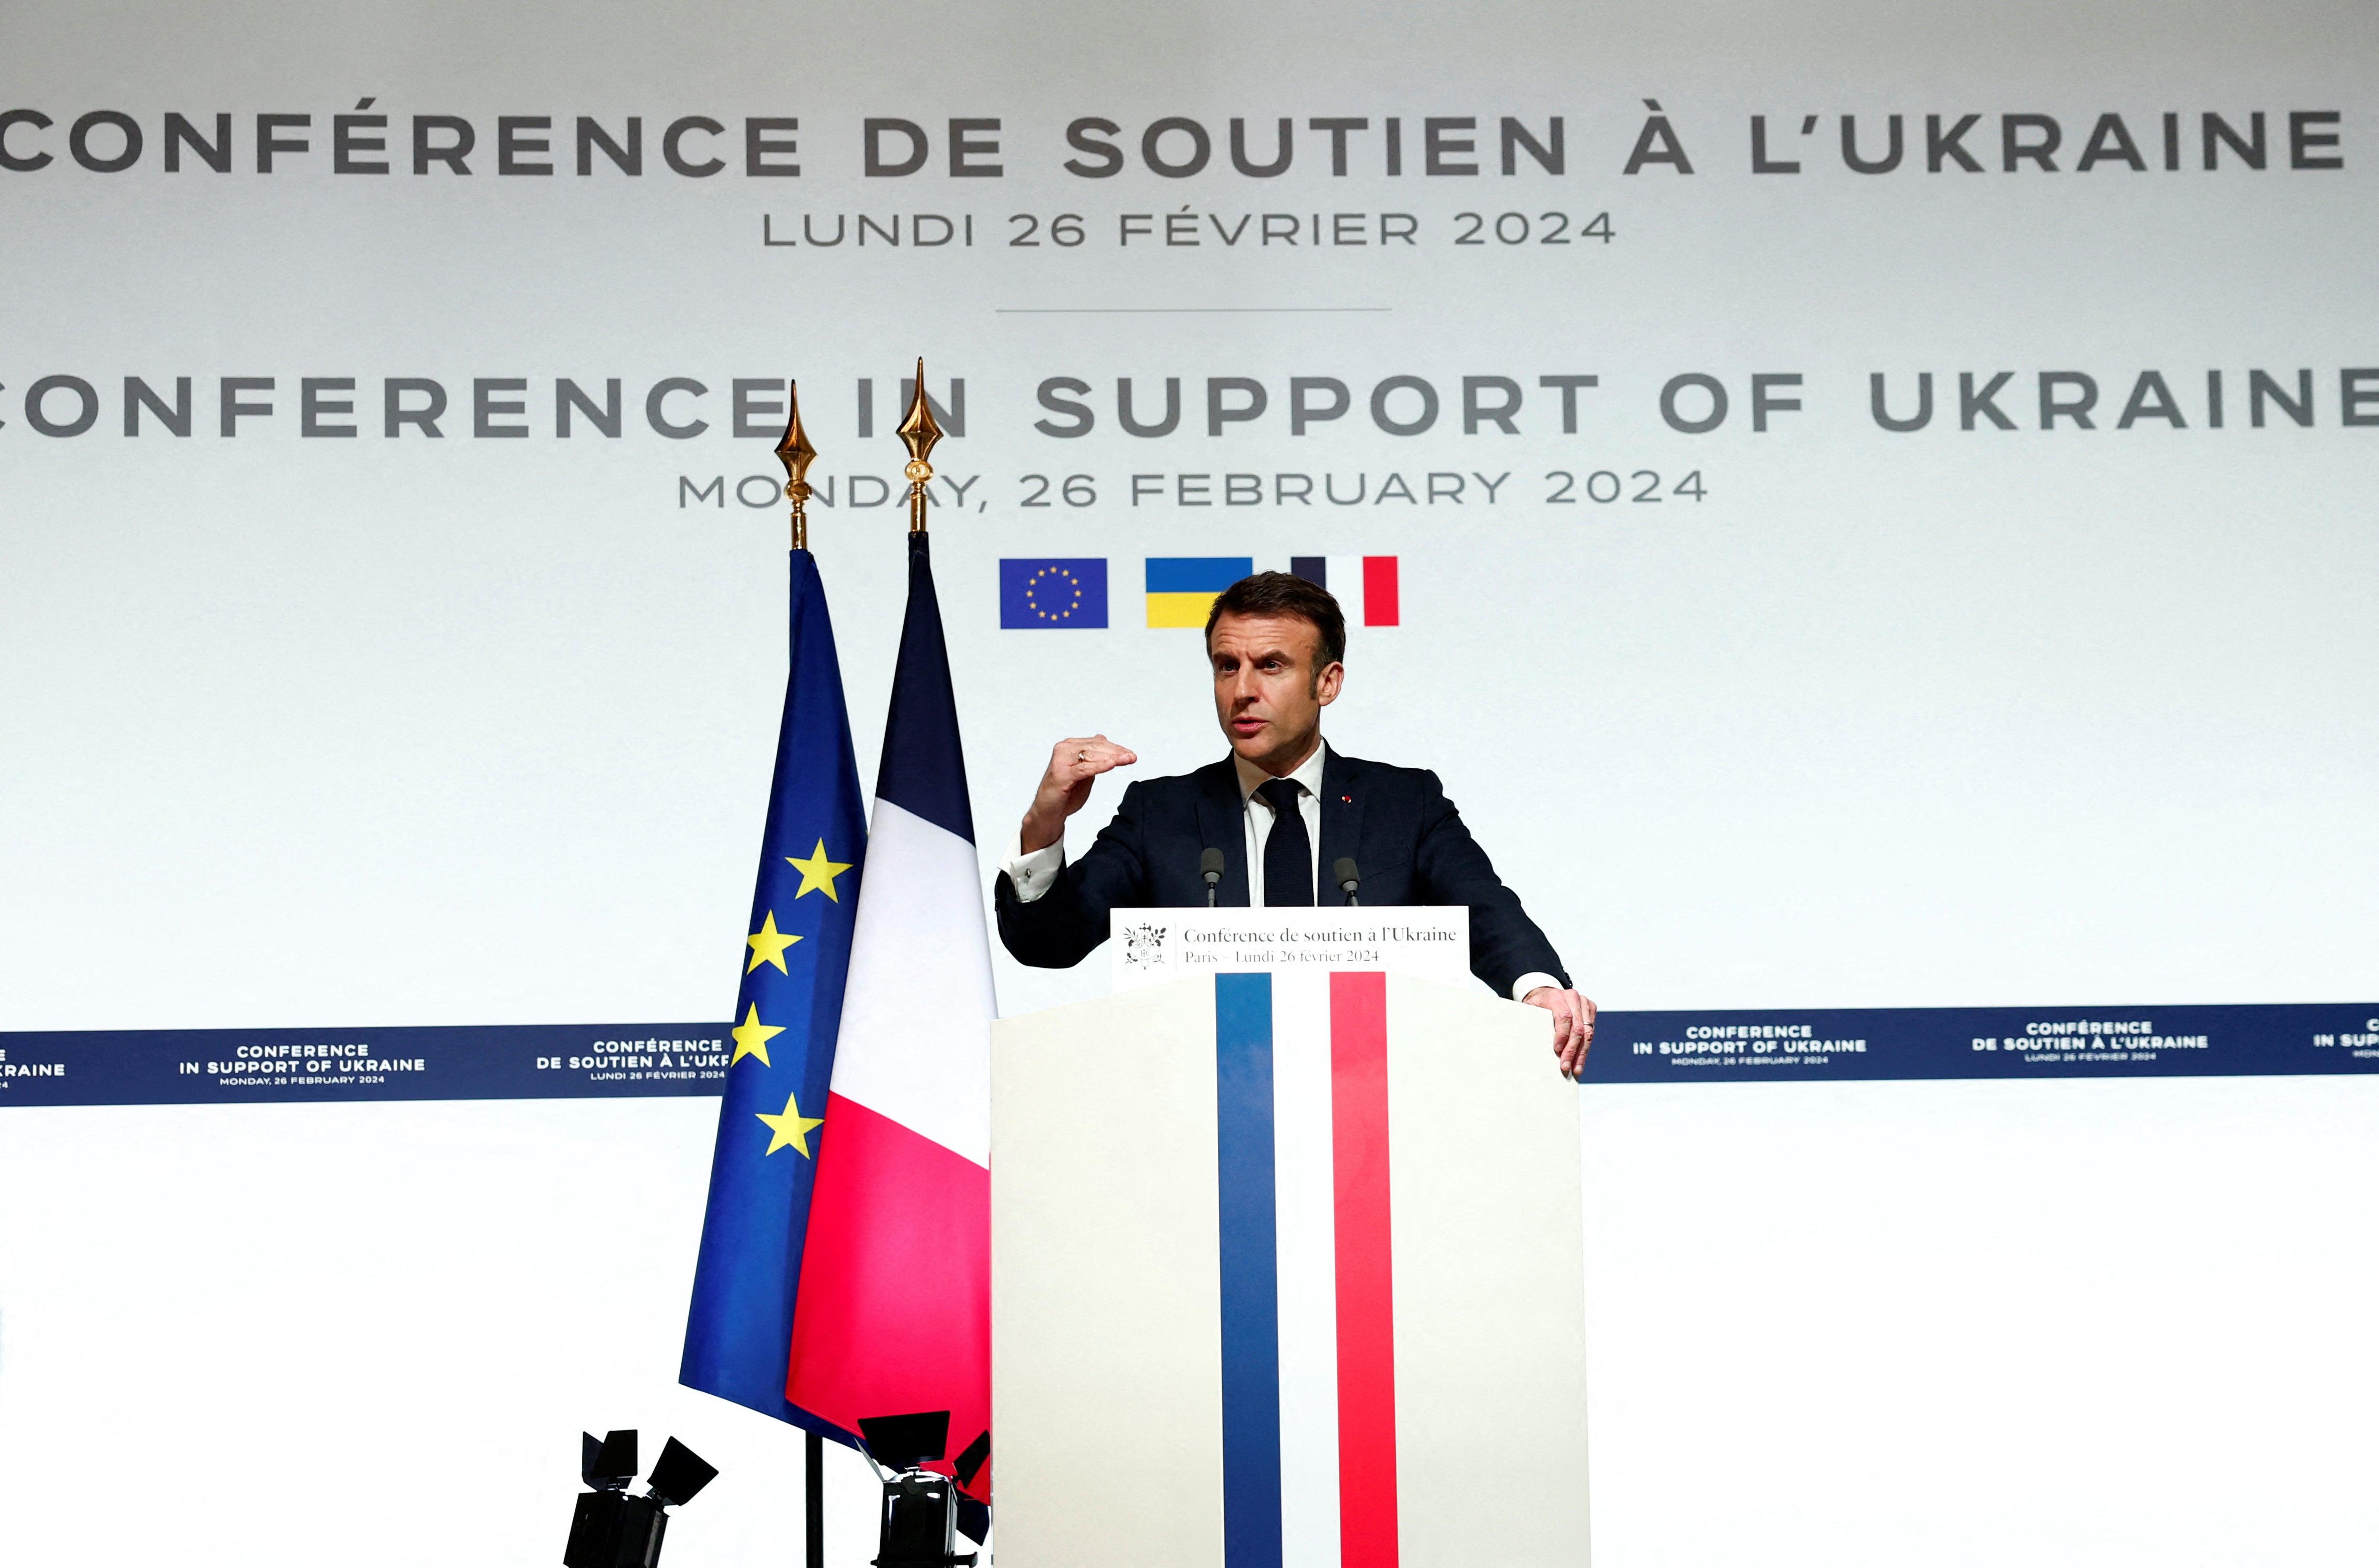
<point x="1367" y="1329"/>
<point x="895" y="1307"/>
<point x="1380" y="606"/>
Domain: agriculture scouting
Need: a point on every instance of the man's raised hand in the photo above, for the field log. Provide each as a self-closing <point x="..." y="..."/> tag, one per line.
<point x="1066" y="786"/>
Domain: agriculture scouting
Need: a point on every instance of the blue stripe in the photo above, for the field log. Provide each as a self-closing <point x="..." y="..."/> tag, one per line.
<point x="1196" y="573"/>
<point x="923" y="770"/>
<point x="1251" y="1271"/>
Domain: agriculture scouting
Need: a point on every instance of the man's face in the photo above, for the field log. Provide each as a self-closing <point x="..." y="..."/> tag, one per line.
<point x="1268" y="696"/>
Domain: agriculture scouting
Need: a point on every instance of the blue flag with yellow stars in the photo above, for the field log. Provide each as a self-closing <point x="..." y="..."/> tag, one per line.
<point x="739" y="1327"/>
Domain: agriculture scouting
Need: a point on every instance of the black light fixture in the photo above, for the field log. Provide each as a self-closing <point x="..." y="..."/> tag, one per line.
<point x="923" y="1511"/>
<point x="611" y="1530"/>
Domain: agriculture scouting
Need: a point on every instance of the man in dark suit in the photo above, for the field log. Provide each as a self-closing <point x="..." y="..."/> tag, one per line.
<point x="1281" y="807"/>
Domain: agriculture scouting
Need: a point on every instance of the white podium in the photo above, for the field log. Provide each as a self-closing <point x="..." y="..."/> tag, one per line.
<point x="1286" y="1273"/>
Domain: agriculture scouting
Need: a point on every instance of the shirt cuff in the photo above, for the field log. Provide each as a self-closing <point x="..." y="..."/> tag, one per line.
<point x="1035" y="872"/>
<point x="1520" y="988"/>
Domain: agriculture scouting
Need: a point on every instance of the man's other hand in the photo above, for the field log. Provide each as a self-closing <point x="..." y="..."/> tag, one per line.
<point x="1573" y="1025"/>
<point x="1066" y="786"/>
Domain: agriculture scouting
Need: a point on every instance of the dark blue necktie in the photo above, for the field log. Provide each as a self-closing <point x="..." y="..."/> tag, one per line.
<point x="1288" y="854"/>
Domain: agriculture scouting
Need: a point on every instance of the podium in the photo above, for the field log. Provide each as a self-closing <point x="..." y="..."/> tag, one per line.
<point x="1287" y="1272"/>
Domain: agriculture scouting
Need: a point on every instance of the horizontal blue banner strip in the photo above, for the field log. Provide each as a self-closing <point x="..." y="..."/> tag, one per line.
<point x="223" y="1066"/>
<point x="213" y="1067"/>
<point x="2001" y="1043"/>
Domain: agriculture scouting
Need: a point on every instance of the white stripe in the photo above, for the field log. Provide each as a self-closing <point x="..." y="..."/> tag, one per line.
<point x="915" y="1043"/>
<point x="1346" y="574"/>
<point x="1303" y="1204"/>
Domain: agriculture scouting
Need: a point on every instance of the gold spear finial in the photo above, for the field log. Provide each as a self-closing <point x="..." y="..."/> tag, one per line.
<point x="796" y="453"/>
<point x="919" y="433"/>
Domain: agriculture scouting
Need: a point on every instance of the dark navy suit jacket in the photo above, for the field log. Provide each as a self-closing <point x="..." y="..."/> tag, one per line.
<point x="1395" y="823"/>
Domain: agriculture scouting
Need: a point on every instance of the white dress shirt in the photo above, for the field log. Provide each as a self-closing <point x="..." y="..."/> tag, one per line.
<point x="1035" y="872"/>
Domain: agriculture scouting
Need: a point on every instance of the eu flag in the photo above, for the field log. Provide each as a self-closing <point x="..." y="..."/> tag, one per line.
<point x="1043" y="594"/>
<point x="739" y="1330"/>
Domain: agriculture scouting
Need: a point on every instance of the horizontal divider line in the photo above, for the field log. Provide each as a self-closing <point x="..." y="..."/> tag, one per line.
<point x="1195" y="310"/>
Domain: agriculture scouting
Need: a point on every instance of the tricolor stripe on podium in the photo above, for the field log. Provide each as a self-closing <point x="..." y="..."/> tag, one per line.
<point x="1308" y="1273"/>
<point x="1304" y="1247"/>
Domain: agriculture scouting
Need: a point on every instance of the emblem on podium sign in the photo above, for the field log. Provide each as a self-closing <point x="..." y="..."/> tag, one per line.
<point x="1144" y="945"/>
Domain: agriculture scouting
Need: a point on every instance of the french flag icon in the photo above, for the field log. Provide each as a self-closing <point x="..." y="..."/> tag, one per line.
<point x="1366" y="586"/>
<point x="1268" y="1243"/>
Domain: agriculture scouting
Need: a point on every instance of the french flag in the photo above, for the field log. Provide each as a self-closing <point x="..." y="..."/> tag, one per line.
<point x="895" y="1310"/>
<point x="1368" y="586"/>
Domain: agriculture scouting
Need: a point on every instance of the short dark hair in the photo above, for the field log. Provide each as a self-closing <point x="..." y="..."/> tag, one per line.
<point x="1281" y="593"/>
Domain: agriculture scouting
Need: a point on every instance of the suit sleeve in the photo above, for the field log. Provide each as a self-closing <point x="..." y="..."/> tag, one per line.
<point x="1451" y="868"/>
<point x="1061" y="928"/>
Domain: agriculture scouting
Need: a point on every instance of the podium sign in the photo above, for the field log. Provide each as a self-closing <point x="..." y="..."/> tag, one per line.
<point x="1152" y="946"/>
<point x="1287" y="1272"/>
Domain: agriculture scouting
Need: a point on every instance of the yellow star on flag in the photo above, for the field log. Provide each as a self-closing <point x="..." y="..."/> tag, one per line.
<point x="769" y="945"/>
<point x="792" y="1129"/>
<point x="751" y="1037"/>
<point x="818" y="872"/>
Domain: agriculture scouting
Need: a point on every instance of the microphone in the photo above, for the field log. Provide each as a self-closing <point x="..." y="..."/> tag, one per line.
<point x="1348" y="877"/>
<point x="1210" y="866"/>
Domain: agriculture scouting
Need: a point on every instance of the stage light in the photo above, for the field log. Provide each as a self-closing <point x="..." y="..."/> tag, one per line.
<point x="918" y="1527"/>
<point x="611" y="1530"/>
<point x="903" y="1443"/>
<point x="609" y="1464"/>
<point x="677" y="1474"/>
<point x="973" y="1517"/>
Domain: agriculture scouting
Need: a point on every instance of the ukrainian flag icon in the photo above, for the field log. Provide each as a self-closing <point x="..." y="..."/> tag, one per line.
<point x="1182" y="588"/>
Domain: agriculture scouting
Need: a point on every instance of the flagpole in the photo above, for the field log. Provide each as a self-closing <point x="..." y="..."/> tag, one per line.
<point x="813" y="1496"/>
<point x="919" y="433"/>
<point x="796" y="453"/>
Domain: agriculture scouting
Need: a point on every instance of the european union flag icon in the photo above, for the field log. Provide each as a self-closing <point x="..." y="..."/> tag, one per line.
<point x="1043" y="595"/>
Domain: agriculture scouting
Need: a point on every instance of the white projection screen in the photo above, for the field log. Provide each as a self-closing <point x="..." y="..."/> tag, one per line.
<point x="1869" y="510"/>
